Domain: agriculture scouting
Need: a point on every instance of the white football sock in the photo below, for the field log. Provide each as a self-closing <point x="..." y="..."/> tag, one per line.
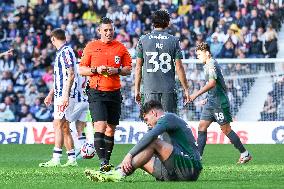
<point x="71" y="155"/>
<point x="121" y="172"/>
<point x="74" y="134"/>
<point x="89" y="130"/>
<point x="244" y="154"/>
<point x="57" y="154"/>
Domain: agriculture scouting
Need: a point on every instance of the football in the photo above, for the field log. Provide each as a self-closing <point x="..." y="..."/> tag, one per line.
<point x="88" y="151"/>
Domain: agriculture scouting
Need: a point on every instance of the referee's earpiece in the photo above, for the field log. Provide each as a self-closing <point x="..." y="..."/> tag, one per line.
<point x="207" y="53"/>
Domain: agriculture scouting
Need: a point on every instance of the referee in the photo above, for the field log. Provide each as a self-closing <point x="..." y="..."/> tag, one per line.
<point x="104" y="60"/>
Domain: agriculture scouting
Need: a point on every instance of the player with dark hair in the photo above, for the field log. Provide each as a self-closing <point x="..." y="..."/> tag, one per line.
<point x="65" y="99"/>
<point x="172" y="158"/>
<point x="217" y="107"/>
<point x="161" y="19"/>
<point x="158" y="56"/>
<point x="104" y="61"/>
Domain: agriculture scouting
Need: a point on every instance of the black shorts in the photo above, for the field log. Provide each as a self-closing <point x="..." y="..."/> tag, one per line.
<point x="105" y="106"/>
<point x="178" y="167"/>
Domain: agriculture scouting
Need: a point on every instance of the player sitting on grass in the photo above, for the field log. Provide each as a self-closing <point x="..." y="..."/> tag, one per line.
<point x="217" y="107"/>
<point x="175" y="157"/>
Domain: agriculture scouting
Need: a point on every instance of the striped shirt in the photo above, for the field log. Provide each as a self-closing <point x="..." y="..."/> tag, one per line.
<point x="65" y="58"/>
<point x="79" y="86"/>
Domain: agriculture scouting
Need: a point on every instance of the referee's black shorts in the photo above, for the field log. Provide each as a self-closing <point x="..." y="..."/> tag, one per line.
<point x="105" y="105"/>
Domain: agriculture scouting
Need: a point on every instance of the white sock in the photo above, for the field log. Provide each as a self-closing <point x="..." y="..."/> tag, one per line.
<point x="89" y="130"/>
<point x="71" y="155"/>
<point x="82" y="139"/>
<point x="74" y="134"/>
<point x="244" y="153"/>
<point x="57" y="154"/>
<point x="121" y="172"/>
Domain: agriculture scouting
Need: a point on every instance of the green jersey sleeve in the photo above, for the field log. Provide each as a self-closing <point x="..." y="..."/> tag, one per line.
<point x="139" y="49"/>
<point x="211" y="70"/>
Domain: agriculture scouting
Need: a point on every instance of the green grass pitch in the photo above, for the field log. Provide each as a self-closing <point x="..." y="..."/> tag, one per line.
<point x="19" y="169"/>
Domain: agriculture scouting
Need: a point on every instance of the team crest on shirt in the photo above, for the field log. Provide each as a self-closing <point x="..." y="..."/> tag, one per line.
<point x="117" y="59"/>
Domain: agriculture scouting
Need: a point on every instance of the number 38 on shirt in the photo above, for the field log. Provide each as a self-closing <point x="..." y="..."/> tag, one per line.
<point x="162" y="62"/>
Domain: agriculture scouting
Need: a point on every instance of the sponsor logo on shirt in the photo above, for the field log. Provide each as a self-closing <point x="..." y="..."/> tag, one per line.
<point x="158" y="37"/>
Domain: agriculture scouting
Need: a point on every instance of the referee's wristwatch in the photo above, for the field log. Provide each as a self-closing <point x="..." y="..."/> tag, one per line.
<point x="94" y="70"/>
<point x="118" y="71"/>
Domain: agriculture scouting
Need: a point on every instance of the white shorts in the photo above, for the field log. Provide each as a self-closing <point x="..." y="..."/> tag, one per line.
<point x="73" y="112"/>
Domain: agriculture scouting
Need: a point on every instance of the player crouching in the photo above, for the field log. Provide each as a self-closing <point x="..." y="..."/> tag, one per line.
<point x="173" y="158"/>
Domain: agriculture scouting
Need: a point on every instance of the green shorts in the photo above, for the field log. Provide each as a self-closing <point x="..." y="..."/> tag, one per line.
<point x="178" y="167"/>
<point x="217" y="114"/>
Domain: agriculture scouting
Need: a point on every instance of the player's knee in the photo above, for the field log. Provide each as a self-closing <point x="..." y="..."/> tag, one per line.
<point x="80" y="126"/>
<point x="202" y="127"/>
<point x="66" y="129"/>
<point x="153" y="144"/>
<point x="100" y="126"/>
<point x="226" y="129"/>
<point x="156" y="144"/>
<point x="57" y="127"/>
<point x="57" y="124"/>
<point x="109" y="131"/>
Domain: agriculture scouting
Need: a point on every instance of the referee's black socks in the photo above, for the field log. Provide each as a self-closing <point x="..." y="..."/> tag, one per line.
<point x="235" y="140"/>
<point x="109" y="142"/>
<point x="201" y="141"/>
<point x="99" y="142"/>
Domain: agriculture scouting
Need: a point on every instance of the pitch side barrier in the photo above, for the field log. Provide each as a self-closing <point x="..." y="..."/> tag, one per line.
<point x="131" y="132"/>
